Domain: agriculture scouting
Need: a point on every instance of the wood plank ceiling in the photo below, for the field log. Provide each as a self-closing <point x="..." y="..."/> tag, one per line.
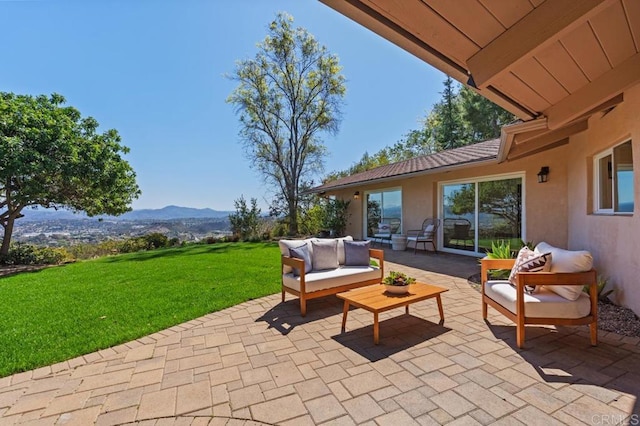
<point x="554" y="61"/>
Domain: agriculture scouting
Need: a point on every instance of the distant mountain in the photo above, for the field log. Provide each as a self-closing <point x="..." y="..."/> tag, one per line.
<point x="173" y="212"/>
<point x="165" y="213"/>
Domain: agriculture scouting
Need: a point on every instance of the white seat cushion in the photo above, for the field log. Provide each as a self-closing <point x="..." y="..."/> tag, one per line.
<point x="321" y="280"/>
<point x="543" y="304"/>
<point x="420" y="238"/>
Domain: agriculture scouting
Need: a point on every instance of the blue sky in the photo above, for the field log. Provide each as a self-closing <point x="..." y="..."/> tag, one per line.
<point x="155" y="71"/>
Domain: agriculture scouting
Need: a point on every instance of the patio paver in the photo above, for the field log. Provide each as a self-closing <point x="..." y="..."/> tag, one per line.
<point x="261" y="363"/>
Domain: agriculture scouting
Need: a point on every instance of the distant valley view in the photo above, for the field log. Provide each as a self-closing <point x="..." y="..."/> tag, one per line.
<point x="63" y="228"/>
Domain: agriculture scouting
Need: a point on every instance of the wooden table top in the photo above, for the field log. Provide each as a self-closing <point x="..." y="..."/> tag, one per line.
<point x="375" y="299"/>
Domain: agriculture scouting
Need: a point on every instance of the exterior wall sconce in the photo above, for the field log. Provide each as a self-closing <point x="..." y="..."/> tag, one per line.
<point x="543" y="174"/>
<point x="356" y="195"/>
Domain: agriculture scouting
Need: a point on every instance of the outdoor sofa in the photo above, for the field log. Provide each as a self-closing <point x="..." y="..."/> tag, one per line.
<point x="317" y="267"/>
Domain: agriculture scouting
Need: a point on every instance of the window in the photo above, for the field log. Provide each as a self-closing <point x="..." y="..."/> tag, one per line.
<point x="477" y="212"/>
<point x="383" y="206"/>
<point x="614" y="180"/>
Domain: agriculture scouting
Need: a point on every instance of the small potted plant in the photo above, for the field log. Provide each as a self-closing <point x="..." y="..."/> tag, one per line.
<point x="397" y="282"/>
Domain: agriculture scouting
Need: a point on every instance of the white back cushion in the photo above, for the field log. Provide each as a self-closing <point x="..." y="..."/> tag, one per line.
<point x="567" y="261"/>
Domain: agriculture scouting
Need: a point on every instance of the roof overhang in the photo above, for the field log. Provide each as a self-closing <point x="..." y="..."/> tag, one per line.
<point x="553" y="63"/>
<point x="436" y="170"/>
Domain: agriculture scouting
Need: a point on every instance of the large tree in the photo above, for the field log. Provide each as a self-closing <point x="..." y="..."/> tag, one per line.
<point x="445" y="121"/>
<point x="52" y="157"/>
<point x="481" y="118"/>
<point x="287" y="95"/>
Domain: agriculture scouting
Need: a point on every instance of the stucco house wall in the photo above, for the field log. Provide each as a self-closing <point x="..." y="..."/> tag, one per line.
<point x="545" y="204"/>
<point x="560" y="211"/>
<point x="614" y="240"/>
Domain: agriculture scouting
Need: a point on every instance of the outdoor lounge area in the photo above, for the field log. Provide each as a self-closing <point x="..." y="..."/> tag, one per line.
<point x="262" y="363"/>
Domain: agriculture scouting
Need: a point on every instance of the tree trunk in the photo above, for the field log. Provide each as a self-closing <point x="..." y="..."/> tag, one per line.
<point x="293" y="218"/>
<point x="6" y="240"/>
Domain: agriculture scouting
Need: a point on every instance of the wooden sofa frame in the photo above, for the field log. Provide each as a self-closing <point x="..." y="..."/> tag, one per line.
<point x="304" y="296"/>
<point x="541" y="278"/>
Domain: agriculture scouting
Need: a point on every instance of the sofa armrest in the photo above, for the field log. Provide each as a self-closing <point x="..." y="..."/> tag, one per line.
<point x="298" y="264"/>
<point x="294" y="262"/>
<point x="587" y="278"/>
<point x="488" y="264"/>
<point x="379" y="256"/>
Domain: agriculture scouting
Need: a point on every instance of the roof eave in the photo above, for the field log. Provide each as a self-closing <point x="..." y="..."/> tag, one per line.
<point x="508" y="133"/>
<point x="443" y="169"/>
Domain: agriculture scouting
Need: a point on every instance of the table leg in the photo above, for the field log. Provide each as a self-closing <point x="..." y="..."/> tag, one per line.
<point x="345" y="311"/>
<point x="376" y="329"/>
<point x="406" y="309"/>
<point x="439" y="299"/>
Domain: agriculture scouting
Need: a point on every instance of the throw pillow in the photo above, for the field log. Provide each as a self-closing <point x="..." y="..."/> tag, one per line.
<point x="356" y="253"/>
<point x="340" y="241"/>
<point x="567" y="261"/>
<point x="325" y="254"/>
<point x="286" y="245"/>
<point x="529" y="261"/>
<point x="301" y="252"/>
<point x="384" y="228"/>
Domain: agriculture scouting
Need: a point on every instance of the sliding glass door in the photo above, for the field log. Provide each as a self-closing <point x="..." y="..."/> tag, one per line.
<point x="478" y="212"/>
<point x="383" y="206"/>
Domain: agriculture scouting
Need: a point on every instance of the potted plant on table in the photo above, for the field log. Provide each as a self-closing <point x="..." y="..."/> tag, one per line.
<point x="397" y="282"/>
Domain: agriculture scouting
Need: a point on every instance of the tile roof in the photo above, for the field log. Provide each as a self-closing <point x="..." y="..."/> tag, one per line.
<point x="457" y="157"/>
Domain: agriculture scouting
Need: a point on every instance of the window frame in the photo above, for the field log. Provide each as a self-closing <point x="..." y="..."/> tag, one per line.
<point x="597" y="187"/>
<point x="476" y="181"/>
<point x="365" y="209"/>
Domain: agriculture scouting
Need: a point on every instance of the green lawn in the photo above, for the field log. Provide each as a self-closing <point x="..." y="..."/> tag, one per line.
<point x="62" y="312"/>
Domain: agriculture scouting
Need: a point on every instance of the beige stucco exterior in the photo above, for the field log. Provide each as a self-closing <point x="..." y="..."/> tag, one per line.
<point x="614" y="240"/>
<point x="559" y="211"/>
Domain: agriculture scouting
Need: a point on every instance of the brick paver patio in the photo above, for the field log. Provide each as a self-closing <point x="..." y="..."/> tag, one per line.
<point x="261" y="363"/>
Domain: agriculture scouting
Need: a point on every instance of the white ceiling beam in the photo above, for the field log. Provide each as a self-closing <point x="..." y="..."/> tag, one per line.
<point x="606" y="87"/>
<point x="542" y="26"/>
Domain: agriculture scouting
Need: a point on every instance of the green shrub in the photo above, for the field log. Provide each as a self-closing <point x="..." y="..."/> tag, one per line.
<point x="28" y="254"/>
<point x="132" y="245"/>
<point x="500" y="250"/>
<point x="602" y="284"/>
<point x="245" y="221"/>
<point x="155" y="240"/>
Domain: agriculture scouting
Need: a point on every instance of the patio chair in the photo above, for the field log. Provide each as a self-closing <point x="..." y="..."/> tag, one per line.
<point x="552" y="303"/>
<point x="457" y="229"/>
<point x="426" y="234"/>
<point x="386" y="228"/>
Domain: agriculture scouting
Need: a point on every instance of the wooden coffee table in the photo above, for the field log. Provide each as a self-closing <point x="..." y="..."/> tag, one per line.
<point x="375" y="299"/>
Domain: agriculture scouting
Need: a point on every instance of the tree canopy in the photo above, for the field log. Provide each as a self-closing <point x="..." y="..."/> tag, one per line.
<point x="52" y="157"/>
<point x="245" y="221"/>
<point x="287" y="95"/>
<point x="461" y="117"/>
